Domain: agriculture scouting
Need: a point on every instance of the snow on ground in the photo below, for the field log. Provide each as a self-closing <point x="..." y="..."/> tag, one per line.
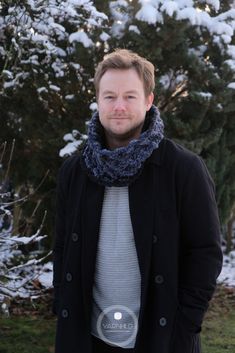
<point x="227" y="275"/>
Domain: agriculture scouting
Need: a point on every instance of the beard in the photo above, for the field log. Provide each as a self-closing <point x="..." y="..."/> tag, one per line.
<point x="119" y="134"/>
<point x="132" y="133"/>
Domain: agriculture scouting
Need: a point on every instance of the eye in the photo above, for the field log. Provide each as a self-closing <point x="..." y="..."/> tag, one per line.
<point x="108" y="97"/>
<point x="131" y="97"/>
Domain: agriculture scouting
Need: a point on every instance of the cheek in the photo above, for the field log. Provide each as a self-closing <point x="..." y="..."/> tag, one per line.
<point x="103" y="107"/>
<point x="101" y="110"/>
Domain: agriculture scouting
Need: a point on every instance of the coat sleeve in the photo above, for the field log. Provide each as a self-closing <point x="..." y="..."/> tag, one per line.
<point x="200" y="258"/>
<point x="59" y="235"/>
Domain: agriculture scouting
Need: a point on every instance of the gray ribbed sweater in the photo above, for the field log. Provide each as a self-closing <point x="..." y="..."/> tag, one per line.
<point x="117" y="277"/>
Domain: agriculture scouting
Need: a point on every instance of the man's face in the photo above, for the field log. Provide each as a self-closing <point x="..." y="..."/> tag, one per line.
<point x="122" y="106"/>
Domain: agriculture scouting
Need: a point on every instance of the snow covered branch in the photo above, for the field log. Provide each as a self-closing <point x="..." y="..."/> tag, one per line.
<point x="18" y="272"/>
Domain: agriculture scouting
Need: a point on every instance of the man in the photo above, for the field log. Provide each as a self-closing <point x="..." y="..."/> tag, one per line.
<point x="137" y="237"/>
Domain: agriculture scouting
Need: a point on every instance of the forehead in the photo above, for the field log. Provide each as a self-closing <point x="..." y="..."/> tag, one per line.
<point x="124" y="80"/>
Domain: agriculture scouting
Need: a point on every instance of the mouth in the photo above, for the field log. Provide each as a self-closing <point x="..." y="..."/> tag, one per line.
<point x="119" y="118"/>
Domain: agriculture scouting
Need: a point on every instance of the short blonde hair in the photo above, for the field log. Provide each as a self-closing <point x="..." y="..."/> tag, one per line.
<point x="126" y="59"/>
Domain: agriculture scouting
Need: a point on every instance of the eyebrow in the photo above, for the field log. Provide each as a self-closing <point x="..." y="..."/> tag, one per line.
<point x="127" y="92"/>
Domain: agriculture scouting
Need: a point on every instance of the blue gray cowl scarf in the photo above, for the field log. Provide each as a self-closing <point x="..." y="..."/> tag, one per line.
<point x="121" y="166"/>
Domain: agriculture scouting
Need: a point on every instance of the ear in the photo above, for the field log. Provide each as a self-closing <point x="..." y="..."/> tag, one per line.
<point x="149" y="101"/>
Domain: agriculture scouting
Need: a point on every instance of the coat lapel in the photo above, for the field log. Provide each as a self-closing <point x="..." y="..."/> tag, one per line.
<point x="92" y="201"/>
<point x="141" y="210"/>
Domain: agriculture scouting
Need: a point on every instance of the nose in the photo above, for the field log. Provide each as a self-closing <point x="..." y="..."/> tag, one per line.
<point x="119" y="104"/>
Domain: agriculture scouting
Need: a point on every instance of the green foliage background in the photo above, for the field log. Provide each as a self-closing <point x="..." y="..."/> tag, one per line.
<point x="39" y="118"/>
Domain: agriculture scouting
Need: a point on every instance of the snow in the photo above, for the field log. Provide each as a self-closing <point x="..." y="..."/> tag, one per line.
<point x="119" y="12"/>
<point x="43" y="29"/>
<point x="215" y="4"/>
<point x="9" y="84"/>
<point x="57" y="26"/>
<point x="39" y="38"/>
<point x="69" y="97"/>
<point x="171" y="79"/>
<point x="7" y="73"/>
<point x="227" y="39"/>
<point x="70" y="137"/>
<point x="165" y="81"/>
<point x="54" y="88"/>
<point x="230" y="14"/>
<point x="104" y="36"/>
<point x="169" y="7"/>
<point x="230" y="63"/>
<point x="42" y="89"/>
<point x="25" y="240"/>
<point x="206" y="95"/>
<point x="46" y="275"/>
<point x="2" y="52"/>
<point x="93" y="106"/>
<point x="134" y="29"/>
<point x="61" y="52"/>
<point x="231" y="50"/>
<point x="75" y="65"/>
<point x="180" y="78"/>
<point x="231" y="85"/>
<point x="149" y="14"/>
<point x="31" y="60"/>
<point x="16" y="285"/>
<point x="193" y="15"/>
<point x="227" y="275"/>
<point x="16" y="270"/>
<point x="74" y="140"/>
<point x="220" y="28"/>
<point x="81" y="37"/>
<point x="70" y="148"/>
<point x="46" y="279"/>
<point x="152" y="13"/>
<point x="58" y="68"/>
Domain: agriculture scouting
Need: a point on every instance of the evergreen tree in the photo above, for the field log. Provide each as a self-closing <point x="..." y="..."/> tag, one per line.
<point x="45" y="86"/>
<point x="193" y="51"/>
<point x="49" y="50"/>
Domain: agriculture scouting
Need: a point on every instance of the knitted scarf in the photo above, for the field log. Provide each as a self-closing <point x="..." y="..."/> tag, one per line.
<point x="121" y="166"/>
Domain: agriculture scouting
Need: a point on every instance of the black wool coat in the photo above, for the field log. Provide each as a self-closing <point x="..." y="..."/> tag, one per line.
<point x="177" y="236"/>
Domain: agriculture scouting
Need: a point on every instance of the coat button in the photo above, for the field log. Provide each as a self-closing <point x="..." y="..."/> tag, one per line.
<point x="159" y="279"/>
<point x="65" y="313"/>
<point x="74" y="237"/>
<point x="154" y="238"/>
<point x="69" y="277"/>
<point x="162" y="321"/>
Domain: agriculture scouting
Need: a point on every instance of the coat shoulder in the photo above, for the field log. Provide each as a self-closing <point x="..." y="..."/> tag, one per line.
<point x="177" y="152"/>
<point x="184" y="161"/>
<point x="171" y="154"/>
<point x="68" y="167"/>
